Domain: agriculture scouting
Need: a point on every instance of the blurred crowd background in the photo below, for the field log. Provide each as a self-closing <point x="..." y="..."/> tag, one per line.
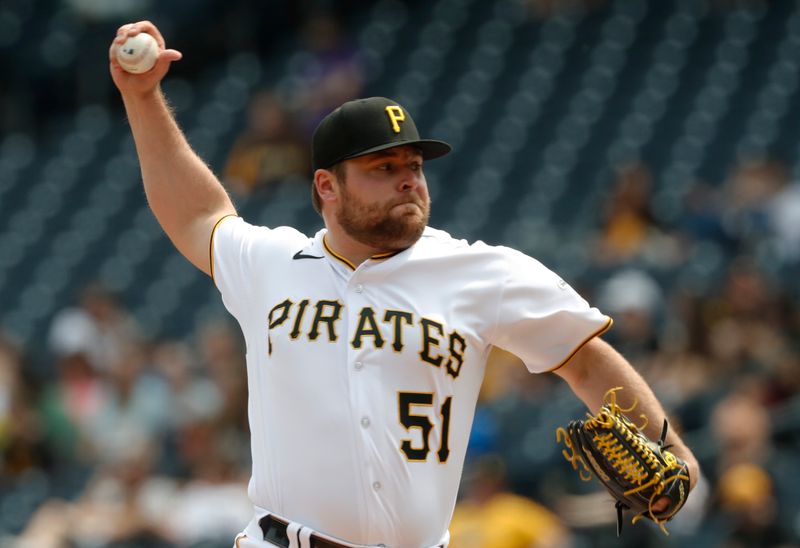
<point x="646" y="151"/>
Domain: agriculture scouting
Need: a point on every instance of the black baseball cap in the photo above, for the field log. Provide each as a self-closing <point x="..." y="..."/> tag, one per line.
<point x="365" y="126"/>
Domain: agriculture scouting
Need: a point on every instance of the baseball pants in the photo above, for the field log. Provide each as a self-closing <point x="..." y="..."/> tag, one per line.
<point x="267" y="530"/>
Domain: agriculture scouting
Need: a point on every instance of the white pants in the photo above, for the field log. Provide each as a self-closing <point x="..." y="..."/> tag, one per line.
<point x="252" y="536"/>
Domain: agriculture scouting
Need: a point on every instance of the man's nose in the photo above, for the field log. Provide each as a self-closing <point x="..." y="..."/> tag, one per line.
<point x="410" y="179"/>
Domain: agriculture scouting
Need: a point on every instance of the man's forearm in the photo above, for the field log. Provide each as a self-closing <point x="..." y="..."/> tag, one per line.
<point x="183" y="193"/>
<point x="179" y="185"/>
<point x="598" y="368"/>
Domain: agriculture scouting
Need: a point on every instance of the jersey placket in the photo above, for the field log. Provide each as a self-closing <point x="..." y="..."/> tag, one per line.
<point x="355" y="297"/>
<point x="361" y="369"/>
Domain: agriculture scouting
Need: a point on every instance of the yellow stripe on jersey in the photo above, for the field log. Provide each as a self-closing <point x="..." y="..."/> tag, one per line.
<point x="336" y="255"/>
<point x="346" y="261"/>
<point x="386" y="255"/>
<point x="211" y="244"/>
<point x="597" y="333"/>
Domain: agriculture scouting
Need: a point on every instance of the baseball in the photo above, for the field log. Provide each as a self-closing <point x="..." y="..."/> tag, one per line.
<point x="138" y="54"/>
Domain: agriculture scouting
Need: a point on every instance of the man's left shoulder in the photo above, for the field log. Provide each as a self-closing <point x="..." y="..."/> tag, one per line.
<point x="440" y="244"/>
<point x="440" y="240"/>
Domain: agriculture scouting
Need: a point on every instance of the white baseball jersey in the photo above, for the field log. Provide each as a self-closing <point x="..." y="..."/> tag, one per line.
<point x="363" y="381"/>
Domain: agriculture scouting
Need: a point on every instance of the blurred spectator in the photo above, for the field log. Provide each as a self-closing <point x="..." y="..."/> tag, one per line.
<point x="135" y="411"/>
<point x="748" y="295"/>
<point x="628" y="215"/>
<point x="330" y="70"/>
<point x="194" y="396"/>
<point x="634" y="299"/>
<point x="128" y="502"/>
<point x="213" y="504"/>
<point x="511" y="420"/>
<point x="741" y="425"/>
<point x="701" y="218"/>
<point x="122" y="505"/>
<point x="99" y="328"/>
<point x="68" y="405"/>
<point x="783" y="211"/>
<point x="785" y="381"/>
<point x="749" y="191"/>
<point x="505" y="377"/>
<point x="221" y="348"/>
<point x="630" y="230"/>
<point x="268" y="151"/>
<point x="488" y="515"/>
<point x="748" y="508"/>
<point x="745" y="321"/>
<point x="222" y="355"/>
<point x="756" y="493"/>
<point x="20" y="433"/>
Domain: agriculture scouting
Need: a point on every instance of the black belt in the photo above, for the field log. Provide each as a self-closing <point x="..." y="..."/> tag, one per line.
<point x="274" y="530"/>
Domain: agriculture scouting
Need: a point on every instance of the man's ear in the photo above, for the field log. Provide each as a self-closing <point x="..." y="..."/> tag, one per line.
<point x="325" y="183"/>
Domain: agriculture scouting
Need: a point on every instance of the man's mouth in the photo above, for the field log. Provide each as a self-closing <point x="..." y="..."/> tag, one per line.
<point x="408" y="208"/>
<point x="409" y="203"/>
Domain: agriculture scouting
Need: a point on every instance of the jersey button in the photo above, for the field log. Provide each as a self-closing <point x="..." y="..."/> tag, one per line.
<point x="359" y="288"/>
<point x="358" y="366"/>
<point x="365" y="422"/>
<point x="376" y="485"/>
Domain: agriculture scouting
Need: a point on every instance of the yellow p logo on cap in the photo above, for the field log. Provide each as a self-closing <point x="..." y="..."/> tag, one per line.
<point x="396" y="115"/>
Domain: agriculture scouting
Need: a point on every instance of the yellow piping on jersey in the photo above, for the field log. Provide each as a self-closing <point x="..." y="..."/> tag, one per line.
<point x="348" y="263"/>
<point x="597" y="333"/>
<point x="211" y="244"/>
<point x="386" y="255"/>
<point x="336" y="255"/>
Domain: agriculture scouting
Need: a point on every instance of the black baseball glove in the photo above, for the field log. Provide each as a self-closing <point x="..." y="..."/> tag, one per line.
<point x="637" y="471"/>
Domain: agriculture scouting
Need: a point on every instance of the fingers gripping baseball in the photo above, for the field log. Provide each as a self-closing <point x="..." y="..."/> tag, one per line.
<point x="130" y="71"/>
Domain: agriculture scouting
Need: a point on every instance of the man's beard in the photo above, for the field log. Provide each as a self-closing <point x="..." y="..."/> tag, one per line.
<point x="377" y="226"/>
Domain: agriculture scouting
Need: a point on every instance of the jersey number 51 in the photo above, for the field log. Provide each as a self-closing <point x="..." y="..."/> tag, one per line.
<point x="408" y="400"/>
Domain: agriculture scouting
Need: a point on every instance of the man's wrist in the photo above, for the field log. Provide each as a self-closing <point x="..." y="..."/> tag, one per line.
<point x="135" y="99"/>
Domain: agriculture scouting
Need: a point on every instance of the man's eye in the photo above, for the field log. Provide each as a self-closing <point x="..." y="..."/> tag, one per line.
<point x="385" y="167"/>
<point x="416" y="166"/>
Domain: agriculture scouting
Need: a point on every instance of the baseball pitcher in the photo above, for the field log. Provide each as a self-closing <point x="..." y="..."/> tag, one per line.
<point x="367" y="341"/>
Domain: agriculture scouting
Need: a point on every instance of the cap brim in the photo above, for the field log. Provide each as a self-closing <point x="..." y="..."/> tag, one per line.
<point x="430" y="148"/>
